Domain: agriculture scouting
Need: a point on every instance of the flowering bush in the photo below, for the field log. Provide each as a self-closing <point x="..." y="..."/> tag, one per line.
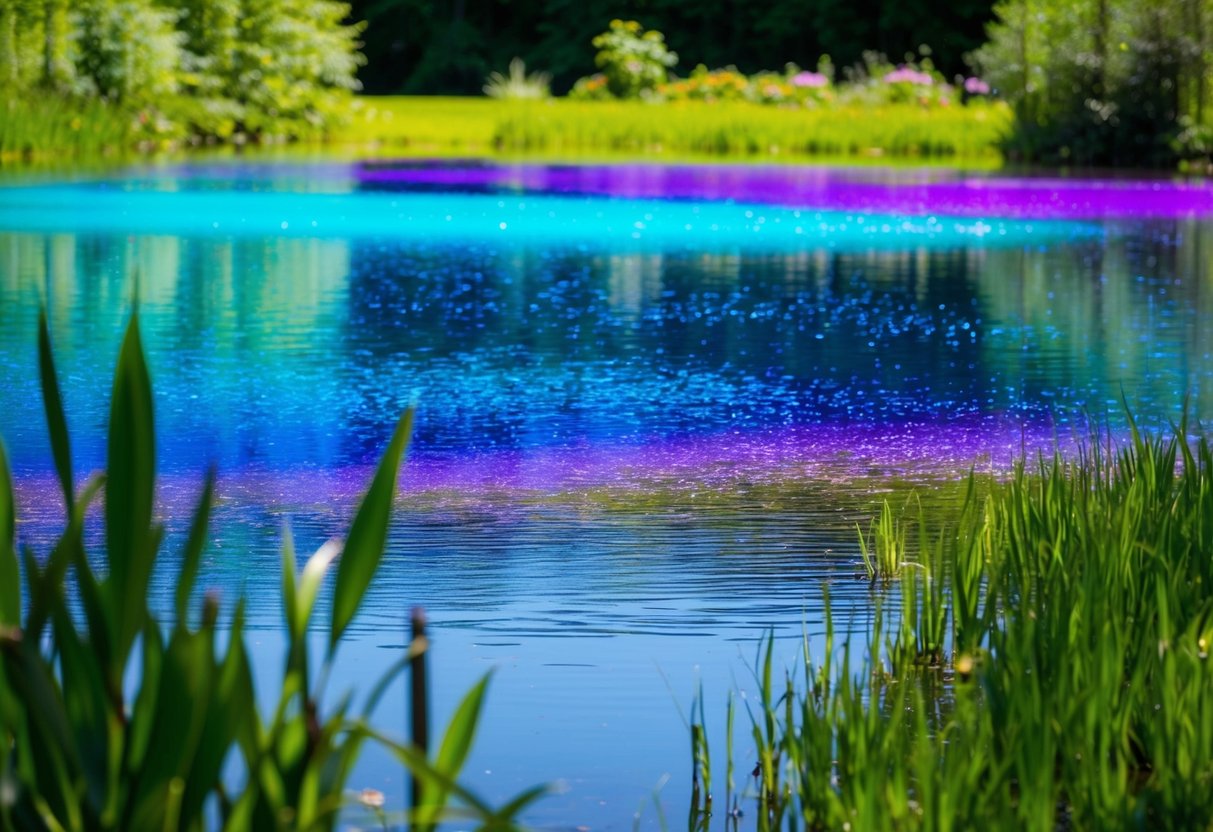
<point x="792" y="87"/>
<point x="634" y="64"/>
<point x="976" y="86"/>
<point x="877" y="81"/>
<point x="633" y="60"/>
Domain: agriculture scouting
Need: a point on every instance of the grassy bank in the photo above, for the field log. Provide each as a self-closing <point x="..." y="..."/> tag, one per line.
<point x="735" y="129"/>
<point x="52" y="131"/>
<point x="1042" y="664"/>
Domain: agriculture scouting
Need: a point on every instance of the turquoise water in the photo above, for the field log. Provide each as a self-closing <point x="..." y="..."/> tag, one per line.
<point x="653" y="403"/>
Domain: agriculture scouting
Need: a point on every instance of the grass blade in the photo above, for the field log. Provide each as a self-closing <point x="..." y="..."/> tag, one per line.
<point x="194" y="546"/>
<point x="364" y="545"/>
<point x="128" y="491"/>
<point x="56" y="422"/>
<point x="456" y="743"/>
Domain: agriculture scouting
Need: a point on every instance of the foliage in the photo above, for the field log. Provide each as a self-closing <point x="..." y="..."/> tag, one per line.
<point x="111" y="719"/>
<point x="126" y="51"/>
<point x="413" y="46"/>
<point x="1101" y="81"/>
<point x="1048" y="667"/>
<point x="792" y="86"/>
<point x="518" y="84"/>
<point x="633" y="61"/>
<point x="202" y="69"/>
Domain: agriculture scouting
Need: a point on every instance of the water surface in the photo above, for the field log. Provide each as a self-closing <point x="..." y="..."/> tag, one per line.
<point x="653" y="402"/>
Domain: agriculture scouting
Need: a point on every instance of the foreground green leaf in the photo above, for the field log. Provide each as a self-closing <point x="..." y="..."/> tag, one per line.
<point x="368" y="534"/>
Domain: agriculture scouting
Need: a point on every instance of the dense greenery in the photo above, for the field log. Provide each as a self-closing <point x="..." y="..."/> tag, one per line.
<point x="1109" y="82"/>
<point x="111" y="719"/>
<point x="185" y="69"/>
<point x="1040" y="664"/>
<point x="450" y="47"/>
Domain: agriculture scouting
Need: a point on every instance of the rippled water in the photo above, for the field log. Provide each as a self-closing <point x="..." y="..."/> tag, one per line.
<point x="653" y="401"/>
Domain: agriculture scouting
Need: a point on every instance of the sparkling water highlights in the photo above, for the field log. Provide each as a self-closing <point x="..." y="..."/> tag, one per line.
<point x="630" y="223"/>
<point x="654" y="403"/>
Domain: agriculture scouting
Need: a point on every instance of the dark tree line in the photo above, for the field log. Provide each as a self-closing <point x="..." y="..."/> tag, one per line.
<point x="449" y="46"/>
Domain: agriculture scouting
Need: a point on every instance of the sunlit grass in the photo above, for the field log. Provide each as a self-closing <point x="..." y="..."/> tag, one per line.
<point x="676" y="129"/>
<point x="1042" y="664"/>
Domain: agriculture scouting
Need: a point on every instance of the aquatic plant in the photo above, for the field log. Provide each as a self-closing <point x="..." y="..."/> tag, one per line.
<point x="884" y="556"/>
<point x="112" y="719"/>
<point x="1048" y="667"/>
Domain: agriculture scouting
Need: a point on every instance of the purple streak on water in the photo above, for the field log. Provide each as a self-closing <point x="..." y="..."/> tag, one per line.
<point x="921" y="192"/>
<point x="721" y="463"/>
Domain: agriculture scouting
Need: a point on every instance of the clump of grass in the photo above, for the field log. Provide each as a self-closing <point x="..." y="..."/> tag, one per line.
<point x="1048" y="667"/>
<point x="35" y="128"/>
<point x="112" y="719"/>
<point x="883" y="549"/>
<point x="518" y="84"/>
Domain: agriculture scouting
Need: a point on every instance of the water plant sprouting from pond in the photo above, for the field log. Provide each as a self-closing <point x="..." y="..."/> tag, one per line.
<point x="111" y="720"/>
<point x="1049" y="667"/>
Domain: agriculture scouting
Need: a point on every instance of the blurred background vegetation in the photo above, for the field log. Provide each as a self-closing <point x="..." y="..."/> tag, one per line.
<point x="1091" y="82"/>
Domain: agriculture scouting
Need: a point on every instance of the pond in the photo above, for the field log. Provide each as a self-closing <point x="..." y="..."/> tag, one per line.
<point x="653" y="401"/>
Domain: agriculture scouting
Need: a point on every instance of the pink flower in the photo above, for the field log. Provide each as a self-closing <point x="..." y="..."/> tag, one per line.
<point x="909" y="75"/>
<point x="810" y="79"/>
<point x="976" y="86"/>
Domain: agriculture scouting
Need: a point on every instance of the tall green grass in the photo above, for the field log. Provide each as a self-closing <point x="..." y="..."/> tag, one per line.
<point x="1045" y="667"/>
<point x="114" y="720"/>
<point x="35" y="129"/>
<point x="686" y="128"/>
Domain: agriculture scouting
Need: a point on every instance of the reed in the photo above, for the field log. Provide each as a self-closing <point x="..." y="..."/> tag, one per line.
<point x="112" y="719"/>
<point x="1045" y="667"/>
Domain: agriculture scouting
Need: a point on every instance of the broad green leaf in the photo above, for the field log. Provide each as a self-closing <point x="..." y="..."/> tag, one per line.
<point x="182" y="704"/>
<point x="457" y="741"/>
<point x="231" y="710"/>
<point x="10" y="572"/>
<point x="193" y="548"/>
<point x="52" y="748"/>
<point x="289" y="567"/>
<point x="87" y="709"/>
<point x="130" y="471"/>
<point x="433" y="779"/>
<point x="56" y="422"/>
<point x="143" y="714"/>
<point x="368" y="534"/>
<point x="46" y="586"/>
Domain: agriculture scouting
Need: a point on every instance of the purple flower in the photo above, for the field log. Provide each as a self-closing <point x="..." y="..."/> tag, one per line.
<point x="976" y="86"/>
<point x="909" y="75"/>
<point x="810" y="79"/>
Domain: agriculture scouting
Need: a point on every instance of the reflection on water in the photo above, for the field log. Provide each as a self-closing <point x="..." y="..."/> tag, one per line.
<point x="634" y="455"/>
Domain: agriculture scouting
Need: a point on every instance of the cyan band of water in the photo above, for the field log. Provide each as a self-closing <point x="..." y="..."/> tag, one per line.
<point x="497" y="219"/>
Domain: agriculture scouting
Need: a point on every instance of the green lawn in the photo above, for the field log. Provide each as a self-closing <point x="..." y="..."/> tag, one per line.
<point x="559" y="127"/>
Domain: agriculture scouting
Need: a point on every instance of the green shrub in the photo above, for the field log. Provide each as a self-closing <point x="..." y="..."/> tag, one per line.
<point x="633" y="61"/>
<point x="1100" y="81"/>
